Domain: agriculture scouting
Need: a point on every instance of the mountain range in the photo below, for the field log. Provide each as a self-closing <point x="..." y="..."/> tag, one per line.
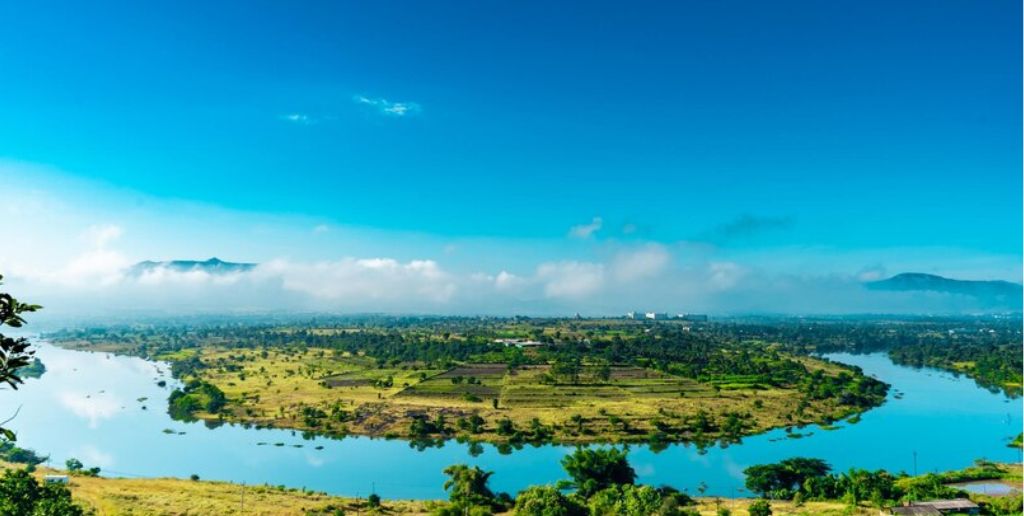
<point x="211" y="266"/>
<point x="989" y="293"/>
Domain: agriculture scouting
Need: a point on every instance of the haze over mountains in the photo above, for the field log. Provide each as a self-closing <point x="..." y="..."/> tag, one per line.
<point x="989" y="293"/>
<point x="211" y="266"/>
<point x="919" y="291"/>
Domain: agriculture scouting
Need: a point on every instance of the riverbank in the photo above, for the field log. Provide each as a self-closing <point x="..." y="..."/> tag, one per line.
<point x="170" y="496"/>
<point x="330" y="394"/>
<point x="167" y="496"/>
<point x="138" y="496"/>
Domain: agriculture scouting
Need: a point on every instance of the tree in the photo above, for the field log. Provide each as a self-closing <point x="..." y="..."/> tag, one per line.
<point x="569" y="368"/>
<point x="20" y="493"/>
<point x="624" y="499"/>
<point x="760" y="508"/>
<point x="577" y="420"/>
<point x="636" y="499"/>
<point x="546" y="501"/>
<point x="14" y="352"/>
<point x="468" y="486"/>
<point x="74" y="465"/>
<point x="782" y="480"/>
<point x="595" y="469"/>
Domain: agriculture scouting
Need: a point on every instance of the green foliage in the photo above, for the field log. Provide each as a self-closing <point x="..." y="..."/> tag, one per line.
<point x="22" y="495"/>
<point x="995" y="364"/>
<point x="468" y="486"/>
<point x="197" y="395"/>
<point x="14" y="352"/>
<point x="802" y="479"/>
<point x="782" y="480"/>
<point x="595" y="469"/>
<point x="760" y="508"/>
<point x="568" y="369"/>
<point x="637" y="499"/>
<point x="11" y="453"/>
<point x="546" y="501"/>
<point x="34" y="369"/>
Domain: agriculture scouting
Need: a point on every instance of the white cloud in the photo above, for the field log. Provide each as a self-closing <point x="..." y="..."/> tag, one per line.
<point x="97" y="264"/>
<point x="873" y="273"/>
<point x="356" y="280"/>
<point x="387" y="107"/>
<point x="100" y="236"/>
<point x="586" y="230"/>
<point x="165" y="276"/>
<point x="298" y="118"/>
<point x="571" y="279"/>
<point x="94" y="408"/>
<point x="92" y="456"/>
<point x="71" y="258"/>
<point x="724" y="275"/>
<point x="507" y="281"/>
<point x="647" y="262"/>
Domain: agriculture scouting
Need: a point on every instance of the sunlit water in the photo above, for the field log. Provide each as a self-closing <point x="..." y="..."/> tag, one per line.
<point x="87" y="406"/>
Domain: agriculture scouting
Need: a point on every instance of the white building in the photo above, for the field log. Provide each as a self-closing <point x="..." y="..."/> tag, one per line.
<point x="519" y="343"/>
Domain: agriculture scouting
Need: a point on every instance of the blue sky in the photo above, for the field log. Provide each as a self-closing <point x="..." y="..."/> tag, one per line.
<point x="861" y="134"/>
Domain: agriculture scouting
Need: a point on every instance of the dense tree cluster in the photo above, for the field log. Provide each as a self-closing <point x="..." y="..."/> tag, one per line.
<point x="196" y="395"/>
<point x="994" y="365"/>
<point x="602" y="485"/>
<point x="22" y="494"/>
<point x="802" y="479"/>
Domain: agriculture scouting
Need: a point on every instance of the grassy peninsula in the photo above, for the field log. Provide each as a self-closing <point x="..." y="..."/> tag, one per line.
<point x="495" y="380"/>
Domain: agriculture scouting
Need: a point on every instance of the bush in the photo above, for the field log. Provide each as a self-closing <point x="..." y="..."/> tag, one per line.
<point x="629" y="499"/>
<point x="546" y="501"/>
<point x="760" y="508"/>
<point x="20" y="493"/>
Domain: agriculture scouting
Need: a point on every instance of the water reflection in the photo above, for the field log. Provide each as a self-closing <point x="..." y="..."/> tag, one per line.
<point x="90" y="406"/>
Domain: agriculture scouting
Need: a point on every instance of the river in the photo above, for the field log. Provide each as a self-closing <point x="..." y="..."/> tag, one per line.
<point x="90" y="406"/>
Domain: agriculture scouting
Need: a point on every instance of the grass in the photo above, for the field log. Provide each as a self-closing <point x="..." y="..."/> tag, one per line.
<point x="738" y="507"/>
<point x="167" y="496"/>
<point x="347" y="394"/>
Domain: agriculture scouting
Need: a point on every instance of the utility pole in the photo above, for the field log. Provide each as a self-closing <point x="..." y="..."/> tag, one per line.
<point x="243" y="498"/>
<point x="915" y="463"/>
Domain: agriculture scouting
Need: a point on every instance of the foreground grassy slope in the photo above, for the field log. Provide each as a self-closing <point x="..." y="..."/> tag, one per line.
<point x="168" y="496"/>
<point x="150" y="496"/>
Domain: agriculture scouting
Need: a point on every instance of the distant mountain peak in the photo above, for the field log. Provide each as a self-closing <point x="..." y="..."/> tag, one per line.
<point x="211" y="266"/>
<point x="989" y="292"/>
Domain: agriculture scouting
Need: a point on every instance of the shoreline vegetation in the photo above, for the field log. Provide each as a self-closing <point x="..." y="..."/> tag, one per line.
<point x="503" y="381"/>
<point x="601" y="482"/>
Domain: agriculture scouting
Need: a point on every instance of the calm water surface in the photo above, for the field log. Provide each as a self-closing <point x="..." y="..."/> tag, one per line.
<point x="90" y="406"/>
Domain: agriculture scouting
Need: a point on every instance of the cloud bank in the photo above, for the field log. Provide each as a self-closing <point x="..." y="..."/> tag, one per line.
<point x="76" y="258"/>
